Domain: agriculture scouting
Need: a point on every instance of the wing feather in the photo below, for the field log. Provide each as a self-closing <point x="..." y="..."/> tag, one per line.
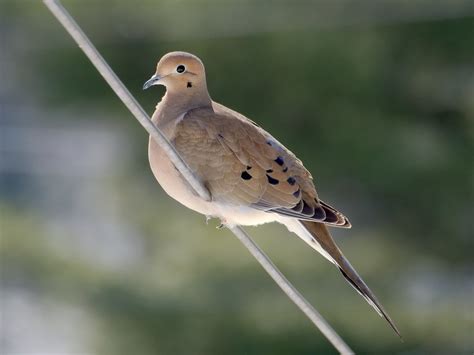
<point x="242" y="164"/>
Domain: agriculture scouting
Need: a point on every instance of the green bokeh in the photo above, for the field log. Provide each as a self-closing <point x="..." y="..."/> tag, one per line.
<point x="380" y="109"/>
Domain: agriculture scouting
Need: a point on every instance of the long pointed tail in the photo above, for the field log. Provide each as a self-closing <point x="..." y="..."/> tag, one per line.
<point x="317" y="236"/>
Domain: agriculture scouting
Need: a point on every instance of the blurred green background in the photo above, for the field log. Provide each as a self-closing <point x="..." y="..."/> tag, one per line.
<point x="376" y="98"/>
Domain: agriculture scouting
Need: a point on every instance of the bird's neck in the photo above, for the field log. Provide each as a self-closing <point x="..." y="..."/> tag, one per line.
<point x="174" y="104"/>
<point x="189" y="98"/>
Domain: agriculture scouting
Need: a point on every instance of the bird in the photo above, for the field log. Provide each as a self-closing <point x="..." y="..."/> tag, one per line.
<point x="251" y="177"/>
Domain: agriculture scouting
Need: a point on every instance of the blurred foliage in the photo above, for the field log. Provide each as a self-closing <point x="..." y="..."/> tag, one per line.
<point x="380" y="112"/>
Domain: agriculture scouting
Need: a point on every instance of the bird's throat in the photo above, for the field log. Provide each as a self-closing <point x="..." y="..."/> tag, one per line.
<point x="174" y="105"/>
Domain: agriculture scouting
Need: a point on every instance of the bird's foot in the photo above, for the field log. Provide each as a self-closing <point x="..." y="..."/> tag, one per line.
<point x="222" y="224"/>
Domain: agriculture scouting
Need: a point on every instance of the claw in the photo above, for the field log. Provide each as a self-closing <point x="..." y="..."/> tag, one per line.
<point x="223" y="224"/>
<point x="208" y="218"/>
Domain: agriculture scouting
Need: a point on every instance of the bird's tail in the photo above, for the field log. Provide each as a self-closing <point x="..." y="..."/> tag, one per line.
<point x="318" y="237"/>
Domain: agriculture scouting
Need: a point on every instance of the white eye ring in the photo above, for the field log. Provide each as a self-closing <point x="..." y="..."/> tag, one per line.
<point x="180" y="69"/>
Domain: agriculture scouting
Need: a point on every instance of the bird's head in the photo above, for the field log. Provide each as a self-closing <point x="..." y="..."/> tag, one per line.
<point x="178" y="71"/>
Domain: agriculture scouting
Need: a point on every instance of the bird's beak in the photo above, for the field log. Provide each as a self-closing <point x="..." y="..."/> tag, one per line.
<point x="152" y="81"/>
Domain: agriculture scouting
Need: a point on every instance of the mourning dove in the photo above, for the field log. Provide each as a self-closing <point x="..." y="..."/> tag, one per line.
<point x="251" y="177"/>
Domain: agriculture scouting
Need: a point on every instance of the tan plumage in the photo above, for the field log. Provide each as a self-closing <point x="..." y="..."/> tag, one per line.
<point x="252" y="178"/>
<point x="242" y="164"/>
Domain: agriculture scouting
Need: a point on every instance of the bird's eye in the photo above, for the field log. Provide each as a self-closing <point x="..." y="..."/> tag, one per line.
<point x="180" y="68"/>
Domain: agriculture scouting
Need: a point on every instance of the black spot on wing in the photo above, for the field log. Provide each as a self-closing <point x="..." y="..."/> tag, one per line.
<point x="285" y="170"/>
<point x="271" y="180"/>
<point x="291" y="180"/>
<point x="297" y="193"/>
<point x="279" y="161"/>
<point x="269" y="171"/>
<point x="245" y="175"/>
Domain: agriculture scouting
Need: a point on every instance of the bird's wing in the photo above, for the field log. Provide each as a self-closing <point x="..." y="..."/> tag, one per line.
<point x="242" y="164"/>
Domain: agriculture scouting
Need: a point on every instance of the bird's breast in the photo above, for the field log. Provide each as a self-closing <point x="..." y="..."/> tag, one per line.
<point x="171" y="180"/>
<point x="176" y="187"/>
